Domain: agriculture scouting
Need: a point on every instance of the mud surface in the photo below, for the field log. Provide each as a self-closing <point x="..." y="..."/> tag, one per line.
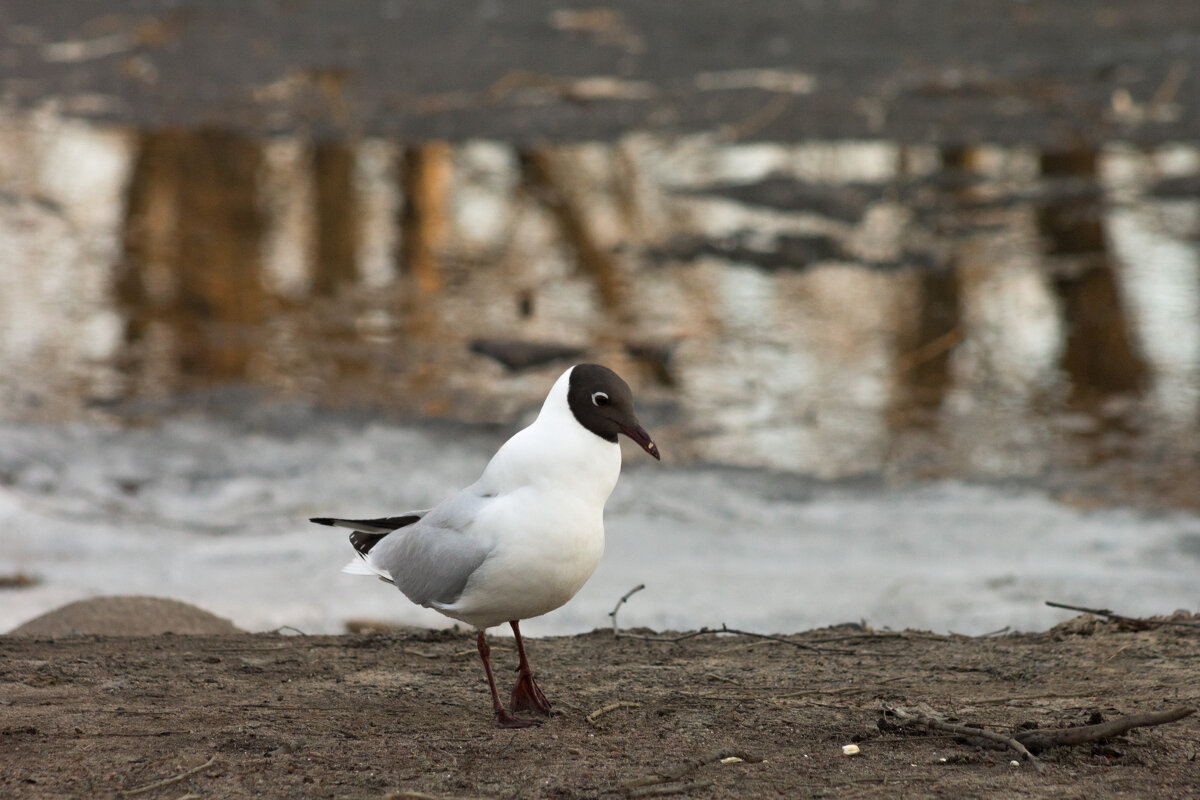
<point x="370" y="715"/>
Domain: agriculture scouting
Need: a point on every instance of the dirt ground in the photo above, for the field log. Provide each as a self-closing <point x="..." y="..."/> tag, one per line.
<point x="406" y="714"/>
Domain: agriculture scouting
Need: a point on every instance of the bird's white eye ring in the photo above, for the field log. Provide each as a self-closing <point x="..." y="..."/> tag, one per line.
<point x="599" y="399"/>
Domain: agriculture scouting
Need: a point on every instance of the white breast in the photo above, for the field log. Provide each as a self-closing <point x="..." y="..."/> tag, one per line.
<point x="550" y="483"/>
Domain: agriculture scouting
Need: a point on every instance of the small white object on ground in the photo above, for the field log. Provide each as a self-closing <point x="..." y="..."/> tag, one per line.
<point x="850" y="750"/>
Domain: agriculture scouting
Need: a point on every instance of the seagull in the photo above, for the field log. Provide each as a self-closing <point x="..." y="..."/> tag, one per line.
<point x="526" y="536"/>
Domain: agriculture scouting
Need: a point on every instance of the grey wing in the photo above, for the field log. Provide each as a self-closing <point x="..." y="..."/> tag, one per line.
<point x="432" y="559"/>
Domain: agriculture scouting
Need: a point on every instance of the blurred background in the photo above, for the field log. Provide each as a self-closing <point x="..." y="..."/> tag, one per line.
<point x="908" y="292"/>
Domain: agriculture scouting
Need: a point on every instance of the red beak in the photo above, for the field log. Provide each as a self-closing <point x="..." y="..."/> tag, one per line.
<point x="639" y="435"/>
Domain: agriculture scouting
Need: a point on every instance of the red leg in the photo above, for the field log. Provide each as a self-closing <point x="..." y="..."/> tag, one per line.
<point x="505" y="719"/>
<point x="526" y="696"/>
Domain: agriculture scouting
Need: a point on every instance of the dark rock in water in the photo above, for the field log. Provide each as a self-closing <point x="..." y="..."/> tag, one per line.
<point x="126" y="616"/>
<point x="845" y="203"/>
<point x="1182" y="187"/>
<point x="785" y="251"/>
<point x="516" y="355"/>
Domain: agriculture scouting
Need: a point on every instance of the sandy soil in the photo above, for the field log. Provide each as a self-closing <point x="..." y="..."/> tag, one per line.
<point x="406" y="714"/>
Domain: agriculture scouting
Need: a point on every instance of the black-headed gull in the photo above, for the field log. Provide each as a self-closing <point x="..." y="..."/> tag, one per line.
<point x="523" y="539"/>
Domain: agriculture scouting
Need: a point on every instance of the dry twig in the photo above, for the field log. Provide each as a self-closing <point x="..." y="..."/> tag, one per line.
<point x="599" y="712"/>
<point x="149" y="787"/>
<point x="621" y="602"/>
<point x="1044" y="739"/>
<point x="858" y="637"/>
<point x="1029" y="742"/>
<point x="1016" y="698"/>
<point x="931" y="722"/>
<point x="415" y="652"/>
<point x="735" y="632"/>
<point x="502" y="644"/>
<point x="706" y="631"/>
<point x="405" y="794"/>
<point x="675" y="772"/>
<point x="1139" y="622"/>
<point x="666" y="789"/>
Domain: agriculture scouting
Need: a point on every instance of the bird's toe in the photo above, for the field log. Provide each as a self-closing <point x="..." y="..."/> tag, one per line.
<point x="507" y="720"/>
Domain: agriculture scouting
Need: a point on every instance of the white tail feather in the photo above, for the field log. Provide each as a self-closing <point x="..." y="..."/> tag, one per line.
<point x="361" y="566"/>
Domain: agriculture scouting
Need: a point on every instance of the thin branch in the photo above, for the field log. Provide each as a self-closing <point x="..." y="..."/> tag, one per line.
<point x="1005" y="699"/>
<point x="599" y="712"/>
<point x="675" y="788"/>
<point x="501" y="644"/>
<point x="405" y="794"/>
<point x="421" y="653"/>
<point x="1043" y="739"/>
<point x="932" y="722"/>
<point x="724" y="629"/>
<point x="677" y="771"/>
<point x="1141" y="622"/>
<point x="168" y="781"/>
<point x="905" y="635"/>
<point x="620" y="603"/>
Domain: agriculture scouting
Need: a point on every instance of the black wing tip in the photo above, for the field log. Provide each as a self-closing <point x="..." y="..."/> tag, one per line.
<point x="322" y="520"/>
<point x="363" y="542"/>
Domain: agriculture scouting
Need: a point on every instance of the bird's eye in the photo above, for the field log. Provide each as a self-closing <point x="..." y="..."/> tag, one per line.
<point x="599" y="399"/>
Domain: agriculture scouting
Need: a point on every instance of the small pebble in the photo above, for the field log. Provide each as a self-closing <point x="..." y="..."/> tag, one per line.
<point x="850" y="750"/>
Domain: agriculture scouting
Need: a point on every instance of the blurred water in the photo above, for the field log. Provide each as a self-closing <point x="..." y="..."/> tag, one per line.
<point x="214" y="512"/>
<point x="828" y="308"/>
<point x="815" y="310"/>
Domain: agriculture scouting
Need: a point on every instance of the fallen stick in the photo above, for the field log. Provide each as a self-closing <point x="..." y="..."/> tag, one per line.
<point x="501" y="644"/>
<point x="674" y="773"/>
<point x="405" y="794"/>
<point x="675" y="788"/>
<point x="1011" y="698"/>
<point x="421" y="653"/>
<point x="706" y="631"/>
<point x="735" y="632"/>
<point x="1045" y="738"/>
<point x="168" y="781"/>
<point x="931" y="722"/>
<point x="620" y="603"/>
<point x="1141" y="622"/>
<point x="599" y="712"/>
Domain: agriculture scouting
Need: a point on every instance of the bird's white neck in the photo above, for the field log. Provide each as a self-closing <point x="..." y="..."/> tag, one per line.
<point x="556" y="450"/>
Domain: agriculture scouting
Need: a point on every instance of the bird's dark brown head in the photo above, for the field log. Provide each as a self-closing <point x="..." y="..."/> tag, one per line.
<point x="603" y="403"/>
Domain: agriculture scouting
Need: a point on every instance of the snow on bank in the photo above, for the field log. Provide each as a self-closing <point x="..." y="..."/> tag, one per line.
<point x="214" y="513"/>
